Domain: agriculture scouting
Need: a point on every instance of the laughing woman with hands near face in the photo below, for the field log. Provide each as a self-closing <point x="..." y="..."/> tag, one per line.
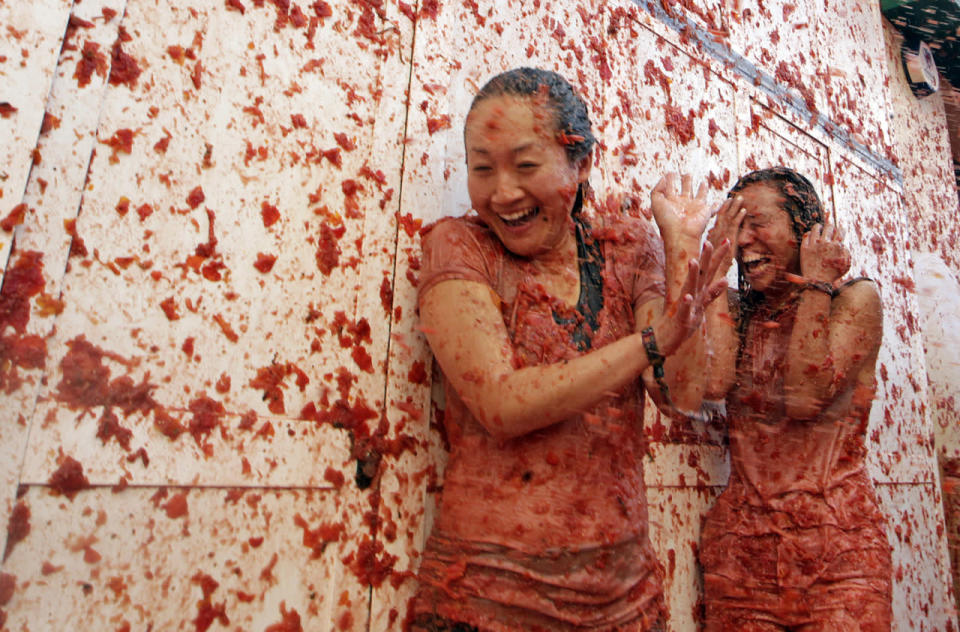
<point x="796" y="542"/>
<point x="535" y="310"/>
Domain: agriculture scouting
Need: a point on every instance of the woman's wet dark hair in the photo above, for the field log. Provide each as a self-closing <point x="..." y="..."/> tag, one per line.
<point x="570" y="115"/>
<point x="800" y="198"/>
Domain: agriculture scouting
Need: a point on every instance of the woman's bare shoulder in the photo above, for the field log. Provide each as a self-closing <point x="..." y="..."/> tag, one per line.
<point x="861" y="293"/>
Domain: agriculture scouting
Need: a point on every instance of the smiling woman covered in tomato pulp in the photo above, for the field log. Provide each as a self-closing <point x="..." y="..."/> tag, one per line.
<point x="534" y="308"/>
<point x="796" y="541"/>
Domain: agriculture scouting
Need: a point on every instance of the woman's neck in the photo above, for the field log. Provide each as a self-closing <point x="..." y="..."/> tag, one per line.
<point x="777" y="299"/>
<point x="558" y="269"/>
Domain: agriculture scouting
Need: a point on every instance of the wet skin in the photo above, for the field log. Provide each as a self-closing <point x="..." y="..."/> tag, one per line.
<point x="520" y="180"/>
<point x="767" y="247"/>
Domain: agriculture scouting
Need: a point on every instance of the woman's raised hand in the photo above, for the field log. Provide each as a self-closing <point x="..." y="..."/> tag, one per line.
<point x="729" y="218"/>
<point x="823" y="257"/>
<point x="680" y="320"/>
<point x="679" y="214"/>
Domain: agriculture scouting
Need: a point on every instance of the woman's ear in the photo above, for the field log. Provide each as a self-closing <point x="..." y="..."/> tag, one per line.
<point x="584" y="166"/>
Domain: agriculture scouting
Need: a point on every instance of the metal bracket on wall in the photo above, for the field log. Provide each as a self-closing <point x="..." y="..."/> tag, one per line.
<point x="780" y="93"/>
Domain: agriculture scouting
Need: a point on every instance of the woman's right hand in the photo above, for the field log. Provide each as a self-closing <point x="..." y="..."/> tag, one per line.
<point x="729" y="219"/>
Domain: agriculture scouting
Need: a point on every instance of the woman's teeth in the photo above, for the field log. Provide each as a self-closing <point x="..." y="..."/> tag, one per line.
<point x="754" y="261"/>
<point x="520" y="217"/>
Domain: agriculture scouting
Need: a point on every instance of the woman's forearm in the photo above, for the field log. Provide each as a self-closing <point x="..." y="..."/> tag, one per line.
<point x="810" y="375"/>
<point x="528" y="399"/>
<point x="722" y="344"/>
<point x="467" y="336"/>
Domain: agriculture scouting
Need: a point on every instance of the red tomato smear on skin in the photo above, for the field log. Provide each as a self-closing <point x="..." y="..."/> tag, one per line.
<point x="236" y="5"/>
<point x="68" y="479"/>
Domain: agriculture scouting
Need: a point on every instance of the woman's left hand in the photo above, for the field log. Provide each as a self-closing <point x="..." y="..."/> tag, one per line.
<point x="823" y="257"/>
<point x="700" y="288"/>
<point x="680" y="214"/>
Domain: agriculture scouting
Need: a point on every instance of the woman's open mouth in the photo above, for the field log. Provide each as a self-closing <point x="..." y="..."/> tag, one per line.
<point x="520" y="217"/>
<point x="751" y="263"/>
